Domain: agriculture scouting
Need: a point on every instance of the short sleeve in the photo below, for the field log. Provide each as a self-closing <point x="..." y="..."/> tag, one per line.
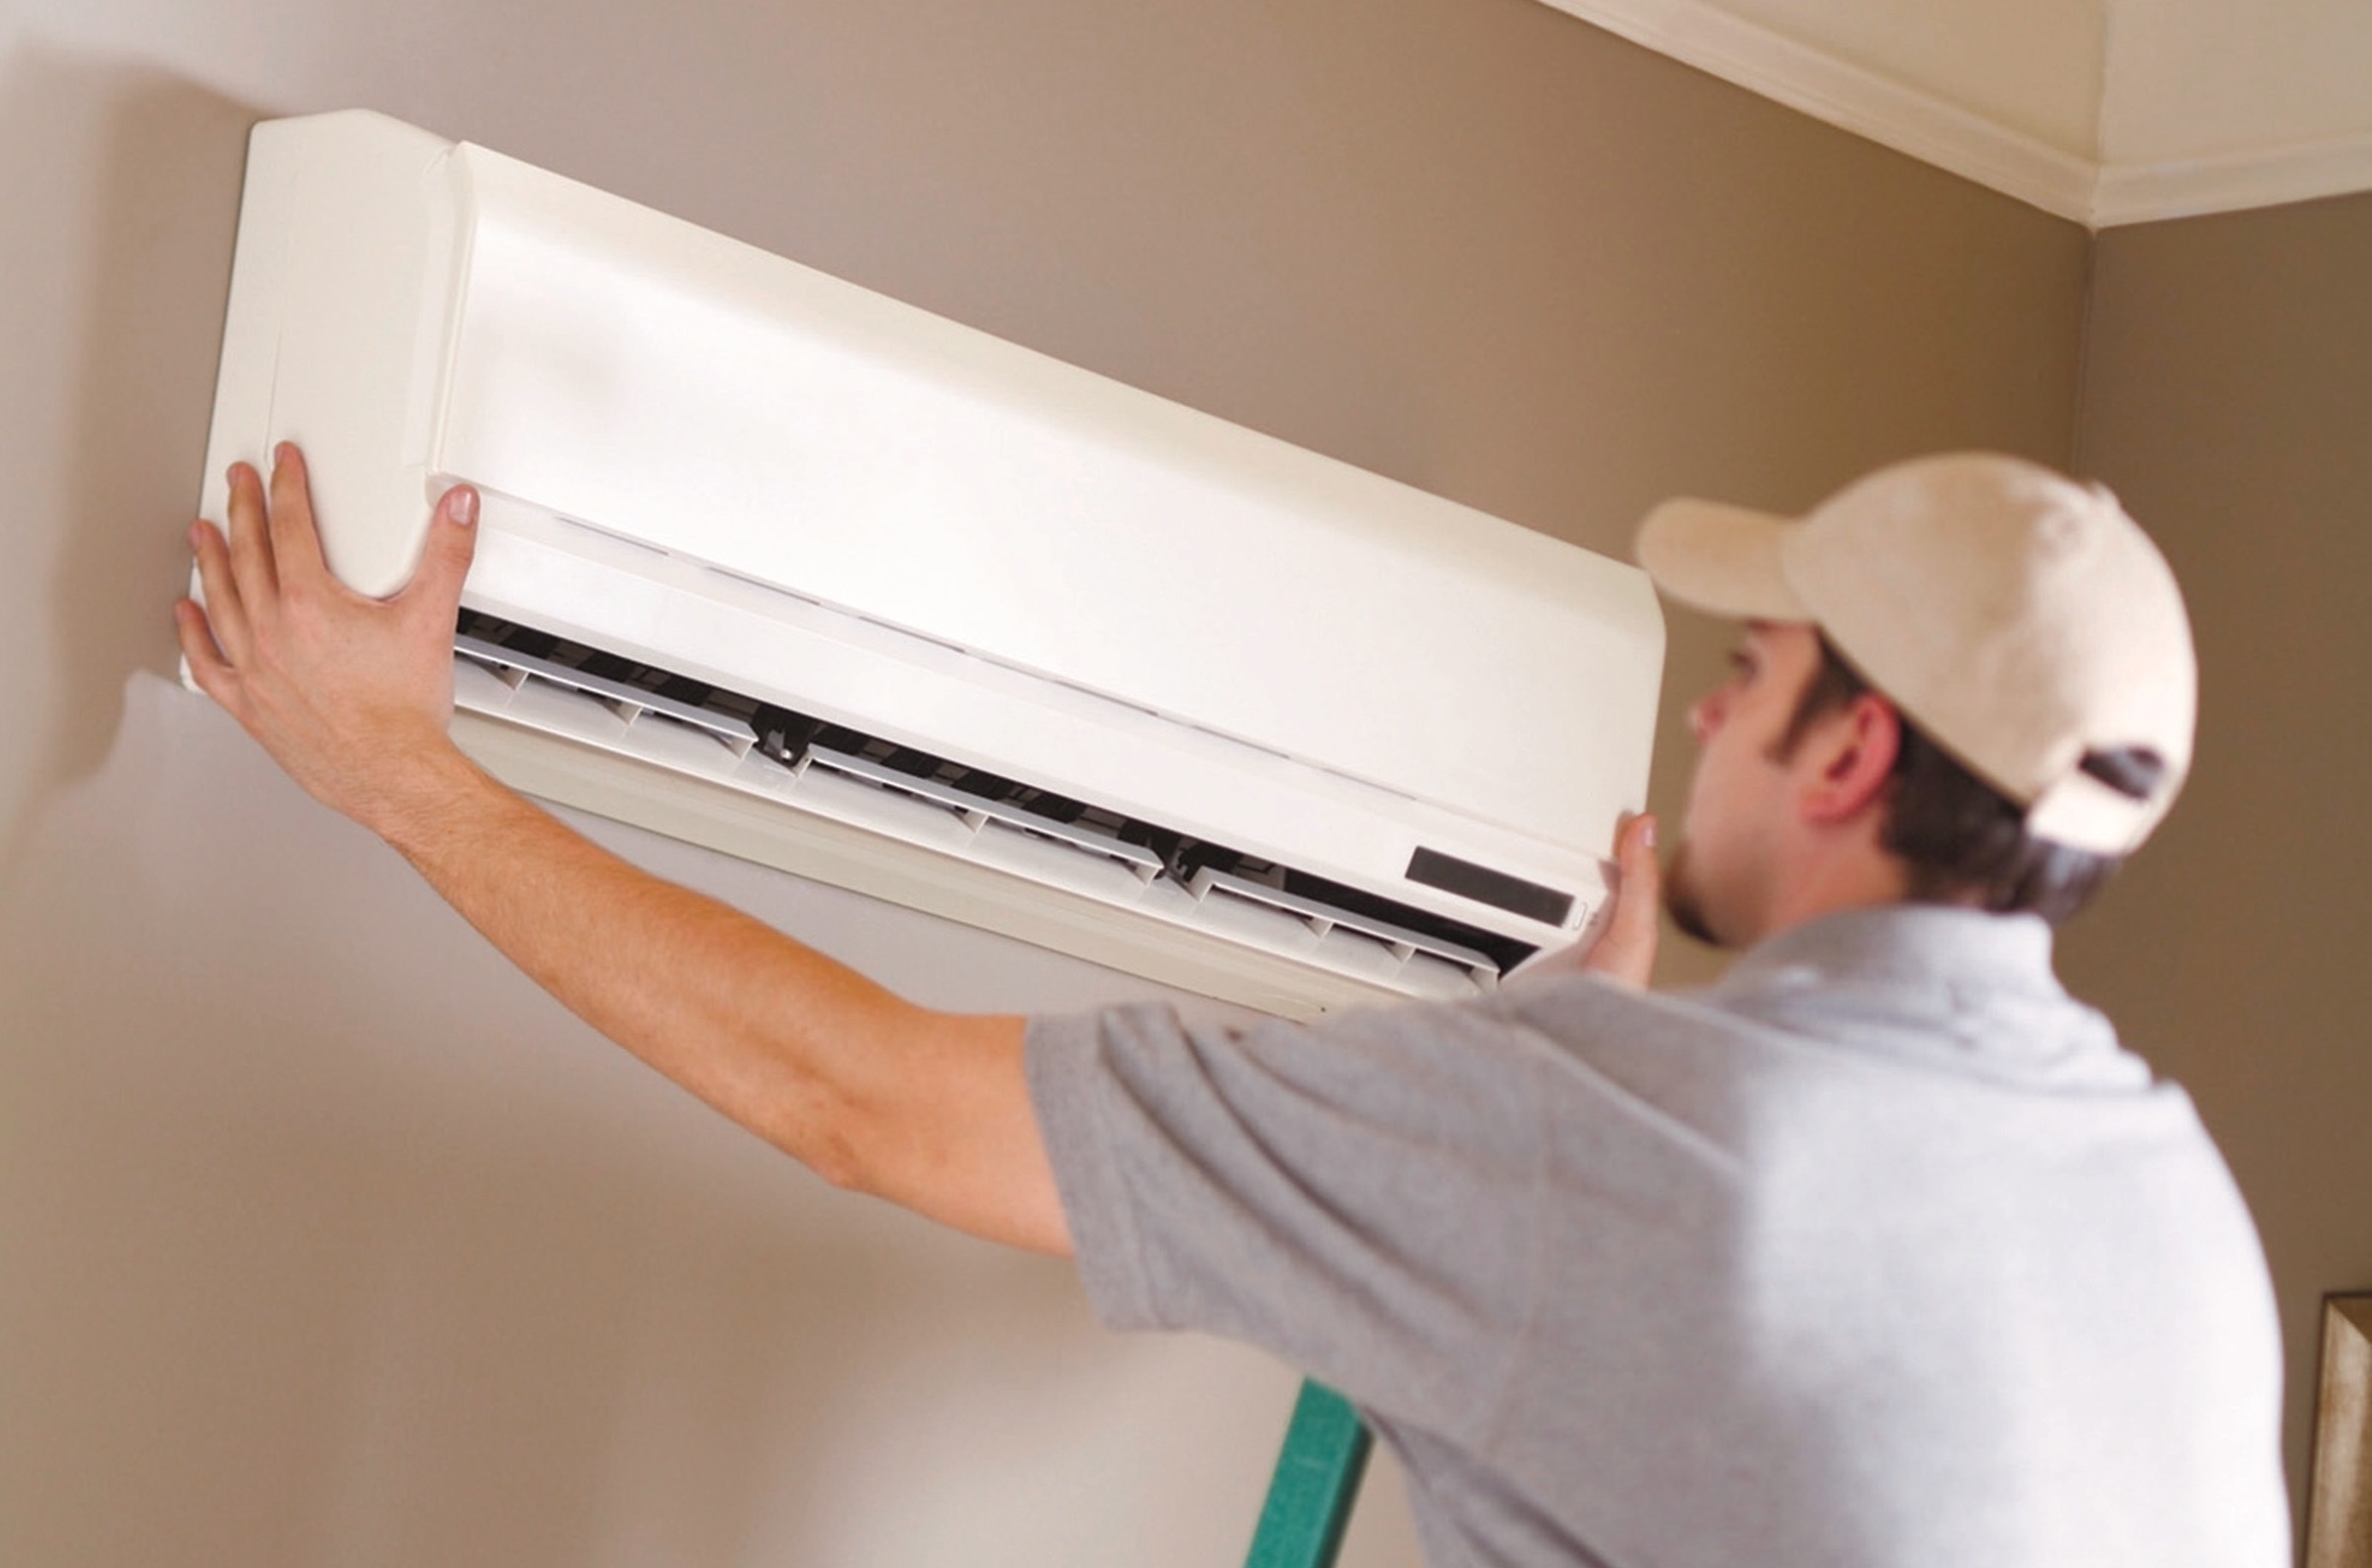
<point x="1361" y="1195"/>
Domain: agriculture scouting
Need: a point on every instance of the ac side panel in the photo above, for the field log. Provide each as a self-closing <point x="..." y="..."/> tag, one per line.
<point x="623" y="368"/>
<point x="336" y="323"/>
<point x="251" y="325"/>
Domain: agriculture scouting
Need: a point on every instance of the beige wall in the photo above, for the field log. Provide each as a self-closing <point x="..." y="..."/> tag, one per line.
<point x="323" y="1236"/>
<point x="2228" y="399"/>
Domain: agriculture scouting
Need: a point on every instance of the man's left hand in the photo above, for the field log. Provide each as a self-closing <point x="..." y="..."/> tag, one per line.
<point x="1626" y="950"/>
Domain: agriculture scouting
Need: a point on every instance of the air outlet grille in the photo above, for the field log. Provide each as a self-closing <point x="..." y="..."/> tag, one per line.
<point x="517" y="673"/>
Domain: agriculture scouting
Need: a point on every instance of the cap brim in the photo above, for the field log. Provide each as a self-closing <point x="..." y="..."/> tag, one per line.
<point x="1724" y="560"/>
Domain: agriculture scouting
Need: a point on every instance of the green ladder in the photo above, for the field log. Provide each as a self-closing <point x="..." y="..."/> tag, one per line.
<point x="1316" y="1481"/>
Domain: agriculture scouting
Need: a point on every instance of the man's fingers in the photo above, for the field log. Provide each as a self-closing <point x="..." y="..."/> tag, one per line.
<point x="207" y="667"/>
<point x="1626" y="950"/>
<point x="225" y="610"/>
<point x="296" y="541"/>
<point x="436" y="587"/>
<point x="1643" y="882"/>
<point x="250" y="543"/>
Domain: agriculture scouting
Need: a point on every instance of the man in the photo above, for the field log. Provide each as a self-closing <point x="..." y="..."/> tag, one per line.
<point x="1880" y="1250"/>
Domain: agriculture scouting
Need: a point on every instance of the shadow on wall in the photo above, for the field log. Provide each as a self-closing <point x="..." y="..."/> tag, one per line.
<point x="121" y="187"/>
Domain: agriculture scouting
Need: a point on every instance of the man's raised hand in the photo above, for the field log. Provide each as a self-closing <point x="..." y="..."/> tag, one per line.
<point x="1624" y="947"/>
<point x="1626" y="950"/>
<point x="350" y="694"/>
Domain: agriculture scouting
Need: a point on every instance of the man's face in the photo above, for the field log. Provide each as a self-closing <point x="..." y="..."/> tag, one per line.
<point x="1726" y="864"/>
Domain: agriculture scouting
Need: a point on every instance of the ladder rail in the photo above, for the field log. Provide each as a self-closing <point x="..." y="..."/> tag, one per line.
<point x="1318" y="1471"/>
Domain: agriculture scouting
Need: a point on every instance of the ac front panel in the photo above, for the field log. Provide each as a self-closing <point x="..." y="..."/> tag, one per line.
<point x="716" y="463"/>
<point x="650" y="378"/>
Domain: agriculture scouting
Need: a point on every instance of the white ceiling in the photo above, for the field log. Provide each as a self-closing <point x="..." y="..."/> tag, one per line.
<point x="2105" y="111"/>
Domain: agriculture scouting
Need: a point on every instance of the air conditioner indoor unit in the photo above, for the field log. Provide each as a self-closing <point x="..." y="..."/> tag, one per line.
<point x="780" y="565"/>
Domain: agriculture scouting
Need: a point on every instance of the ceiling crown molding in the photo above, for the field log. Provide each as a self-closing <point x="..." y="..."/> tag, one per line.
<point x="1934" y="130"/>
<point x="2187" y="188"/>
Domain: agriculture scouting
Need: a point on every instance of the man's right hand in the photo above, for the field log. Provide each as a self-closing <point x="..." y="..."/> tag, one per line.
<point x="350" y="694"/>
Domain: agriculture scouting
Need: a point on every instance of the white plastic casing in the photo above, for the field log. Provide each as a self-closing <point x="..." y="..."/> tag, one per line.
<point x="711" y="459"/>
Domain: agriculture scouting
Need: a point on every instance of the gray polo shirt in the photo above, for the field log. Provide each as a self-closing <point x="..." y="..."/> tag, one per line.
<point x="1880" y="1251"/>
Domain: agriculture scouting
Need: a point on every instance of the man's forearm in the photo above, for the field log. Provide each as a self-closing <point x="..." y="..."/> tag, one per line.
<point x="874" y="1092"/>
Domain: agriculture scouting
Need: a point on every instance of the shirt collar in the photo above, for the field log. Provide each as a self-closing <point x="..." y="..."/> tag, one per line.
<point x="1907" y="943"/>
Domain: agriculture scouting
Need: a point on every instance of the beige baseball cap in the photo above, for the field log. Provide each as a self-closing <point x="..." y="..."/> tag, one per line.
<point x="2021" y="619"/>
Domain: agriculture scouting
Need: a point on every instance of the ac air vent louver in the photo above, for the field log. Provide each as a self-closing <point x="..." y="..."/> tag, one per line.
<point x="547" y="683"/>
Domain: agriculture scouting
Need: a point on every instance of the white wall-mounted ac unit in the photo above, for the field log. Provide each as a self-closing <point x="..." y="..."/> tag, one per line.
<point x="777" y="565"/>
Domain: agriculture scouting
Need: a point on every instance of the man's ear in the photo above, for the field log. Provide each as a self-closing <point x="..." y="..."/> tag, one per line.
<point x="1855" y="750"/>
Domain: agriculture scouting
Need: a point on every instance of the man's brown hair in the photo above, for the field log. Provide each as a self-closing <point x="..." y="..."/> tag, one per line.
<point x="1961" y="841"/>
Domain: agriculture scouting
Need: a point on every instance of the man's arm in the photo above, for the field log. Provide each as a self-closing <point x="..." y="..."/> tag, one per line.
<point x="354" y="696"/>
